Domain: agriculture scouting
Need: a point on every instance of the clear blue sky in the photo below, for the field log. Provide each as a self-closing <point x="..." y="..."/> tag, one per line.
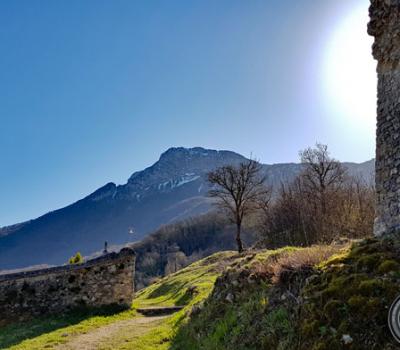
<point x="91" y="91"/>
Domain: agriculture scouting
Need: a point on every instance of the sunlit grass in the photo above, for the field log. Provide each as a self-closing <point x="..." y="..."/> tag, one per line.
<point x="185" y="288"/>
<point x="45" y="333"/>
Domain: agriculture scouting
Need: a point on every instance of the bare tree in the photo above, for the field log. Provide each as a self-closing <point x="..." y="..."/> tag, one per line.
<point x="321" y="173"/>
<point x="322" y="204"/>
<point x="240" y="191"/>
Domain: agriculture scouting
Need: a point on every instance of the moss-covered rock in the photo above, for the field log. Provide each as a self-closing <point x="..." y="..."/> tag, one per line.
<point x="389" y="266"/>
<point x="361" y="291"/>
<point x="341" y="303"/>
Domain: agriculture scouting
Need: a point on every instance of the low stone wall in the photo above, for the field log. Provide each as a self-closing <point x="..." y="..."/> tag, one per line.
<point x="102" y="281"/>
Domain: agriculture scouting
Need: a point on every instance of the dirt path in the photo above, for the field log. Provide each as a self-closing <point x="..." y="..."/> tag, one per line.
<point x="109" y="336"/>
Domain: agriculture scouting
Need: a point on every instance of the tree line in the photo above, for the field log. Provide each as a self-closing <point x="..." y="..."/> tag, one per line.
<point x="176" y="245"/>
<point x="322" y="204"/>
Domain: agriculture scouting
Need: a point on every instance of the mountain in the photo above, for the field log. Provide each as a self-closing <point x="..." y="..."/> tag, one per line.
<point x="174" y="188"/>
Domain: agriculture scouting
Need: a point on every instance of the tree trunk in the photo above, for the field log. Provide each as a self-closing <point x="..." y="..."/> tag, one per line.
<point x="238" y="239"/>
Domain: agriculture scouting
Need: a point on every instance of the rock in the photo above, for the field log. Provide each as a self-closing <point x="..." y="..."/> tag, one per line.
<point x="192" y="290"/>
<point x="196" y="309"/>
<point x="347" y="339"/>
<point x="311" y="279"/>
<point x="230" y="297"/>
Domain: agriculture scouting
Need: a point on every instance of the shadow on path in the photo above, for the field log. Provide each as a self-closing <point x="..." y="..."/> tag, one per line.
<point x="14" y="334"/>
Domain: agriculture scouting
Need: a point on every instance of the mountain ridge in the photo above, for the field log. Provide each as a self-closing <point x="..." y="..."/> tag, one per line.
<point x="171" y="189"/>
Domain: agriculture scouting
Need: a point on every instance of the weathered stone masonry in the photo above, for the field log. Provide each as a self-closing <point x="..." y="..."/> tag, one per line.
<point x="102" y="281"/>
<point x="385" y="27"/>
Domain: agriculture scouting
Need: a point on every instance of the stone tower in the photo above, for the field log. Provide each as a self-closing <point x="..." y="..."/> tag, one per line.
<point x="385" y="27"/>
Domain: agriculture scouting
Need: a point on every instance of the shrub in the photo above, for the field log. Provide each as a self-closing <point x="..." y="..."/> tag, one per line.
<point x="388" y="266"/>
<point x="298" y="259"/>
<point x="76" y="259"/>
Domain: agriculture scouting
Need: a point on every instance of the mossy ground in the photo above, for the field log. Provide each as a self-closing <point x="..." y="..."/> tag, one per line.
<point x="351" y="296"/>
<point x="345" y="297"/>
<point x="248" y="321"/>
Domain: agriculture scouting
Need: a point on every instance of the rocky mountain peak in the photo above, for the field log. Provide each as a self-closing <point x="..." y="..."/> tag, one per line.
<point x="103" y="192"/>
<point x="176" y="167"/>
<point x="179" y="161"/>
<point x="182" y="152"/>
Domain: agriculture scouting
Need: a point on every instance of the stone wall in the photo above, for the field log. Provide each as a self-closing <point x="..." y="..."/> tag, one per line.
<point x="102" y="281"/>
<point x="385" y="27"/>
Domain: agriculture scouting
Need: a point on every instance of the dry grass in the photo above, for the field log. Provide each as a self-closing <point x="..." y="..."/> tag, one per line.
<point x="299" y="259"/>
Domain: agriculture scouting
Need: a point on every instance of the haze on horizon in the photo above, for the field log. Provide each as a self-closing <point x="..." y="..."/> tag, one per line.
<point x="93" y="91"/>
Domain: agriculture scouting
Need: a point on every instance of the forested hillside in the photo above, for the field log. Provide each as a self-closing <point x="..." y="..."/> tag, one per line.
<point x="175" y="246"/>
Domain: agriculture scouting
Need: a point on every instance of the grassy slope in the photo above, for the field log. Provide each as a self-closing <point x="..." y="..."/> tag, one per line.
<point x="186" y="287"/>
<point x="292" y="298"/>
<point x="315" y="304"/>
<point x="253" y="319"/>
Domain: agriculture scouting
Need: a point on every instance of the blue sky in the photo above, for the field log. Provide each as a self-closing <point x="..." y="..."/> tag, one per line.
<point x="92" y="91"/>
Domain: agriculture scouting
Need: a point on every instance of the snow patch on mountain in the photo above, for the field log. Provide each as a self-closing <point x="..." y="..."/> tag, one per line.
<point x="185" y="180"/>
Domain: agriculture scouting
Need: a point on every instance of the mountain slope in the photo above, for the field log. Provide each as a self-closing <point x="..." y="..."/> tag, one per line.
<point x="174" y="188"/>
<point x="171" y="189"/>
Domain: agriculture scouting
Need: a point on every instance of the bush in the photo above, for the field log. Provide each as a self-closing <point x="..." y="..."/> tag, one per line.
<point x="76" y="259"/>
<point x="298" y="259"/>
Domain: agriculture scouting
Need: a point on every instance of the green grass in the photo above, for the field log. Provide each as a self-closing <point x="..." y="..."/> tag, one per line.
<point x="175" y="289"/>
<point x="255" y="317"/>
<point x="222" y="324"/>
<point x="348" y="293"/>
<point x="185" y="288"/>
<point x="48" y="332"/>
<point x="249" y="320"/>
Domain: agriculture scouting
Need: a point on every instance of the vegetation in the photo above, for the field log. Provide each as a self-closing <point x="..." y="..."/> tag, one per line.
<point x="76" y="259"/>
<point x="185" y="288"/>
<point x="323" y="204"/>
<point x="246" y="309"/>
<point x="293" y="216"/>
<point x="307" y="296"/>
<point x="179" y="244"/>
<point x="314" y="298"/>
<point x="321" y="175"/>
<point x="351" y="297"/>
<point x="49" y="331"/>
<point x="240" y="192"/>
